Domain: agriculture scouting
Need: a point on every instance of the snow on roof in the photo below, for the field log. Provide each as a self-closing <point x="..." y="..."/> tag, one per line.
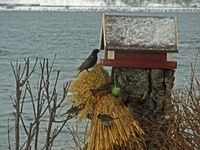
<point x="139" y="33"/>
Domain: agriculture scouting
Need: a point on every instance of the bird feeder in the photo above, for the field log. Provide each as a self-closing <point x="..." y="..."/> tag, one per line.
<point x="139" y="41"/>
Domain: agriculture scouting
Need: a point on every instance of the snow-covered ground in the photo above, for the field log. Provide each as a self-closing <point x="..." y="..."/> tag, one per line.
<point x="87" y="5"/>
<point x="98" y="8"/>
<point x="61" y="2"/>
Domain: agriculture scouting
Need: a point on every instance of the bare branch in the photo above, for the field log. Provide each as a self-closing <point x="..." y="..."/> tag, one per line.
<point x="52" y="63"/>
<point x="28" y="87"/>
<point x="39" y="88"/>
<point x="43" y="101"/>
<point x="30" y="136"/>
<point x="9" y="146"/>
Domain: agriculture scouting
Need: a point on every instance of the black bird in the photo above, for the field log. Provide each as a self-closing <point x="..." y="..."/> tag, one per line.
<point x="89" y="62"/>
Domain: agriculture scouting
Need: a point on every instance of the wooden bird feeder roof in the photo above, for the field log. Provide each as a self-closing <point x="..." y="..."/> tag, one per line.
<point x="139" y="33"/>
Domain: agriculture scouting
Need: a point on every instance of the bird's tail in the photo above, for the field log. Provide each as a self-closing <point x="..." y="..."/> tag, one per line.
<point x="78" y="71"/>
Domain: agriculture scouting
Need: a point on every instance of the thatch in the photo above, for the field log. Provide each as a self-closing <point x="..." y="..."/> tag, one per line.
<point x="80" y="88"/>
<point x="124" y="132"/>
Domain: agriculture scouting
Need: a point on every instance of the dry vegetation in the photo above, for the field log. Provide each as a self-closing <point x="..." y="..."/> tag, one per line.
<point x="184" y="132"/>
<point x="184" y="127"/>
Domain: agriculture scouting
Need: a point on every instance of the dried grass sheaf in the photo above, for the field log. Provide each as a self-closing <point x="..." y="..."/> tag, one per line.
<point x="123" y="133"/>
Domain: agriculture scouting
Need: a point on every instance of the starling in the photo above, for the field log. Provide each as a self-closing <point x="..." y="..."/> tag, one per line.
<point x="89" y="62"/>
<point x="106" y="119"/>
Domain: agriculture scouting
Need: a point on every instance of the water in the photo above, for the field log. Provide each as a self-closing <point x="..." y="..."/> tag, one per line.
<point x="72" y="35"/>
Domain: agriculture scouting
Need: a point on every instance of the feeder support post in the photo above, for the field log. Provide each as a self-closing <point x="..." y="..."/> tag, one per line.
<point x="150" y="100"/>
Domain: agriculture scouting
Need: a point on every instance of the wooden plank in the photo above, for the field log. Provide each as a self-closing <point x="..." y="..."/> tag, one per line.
<point x="101" y="43"/>
<point x="139" y="64"/>
<point x="140" y="56"/>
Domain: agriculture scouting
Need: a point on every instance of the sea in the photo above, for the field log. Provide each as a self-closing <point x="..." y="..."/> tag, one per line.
<point x="71" y="36"/>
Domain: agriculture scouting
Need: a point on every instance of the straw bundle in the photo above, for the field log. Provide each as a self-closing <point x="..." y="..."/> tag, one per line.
<point x="123" y="133"/>
<point x="80" y="88"/>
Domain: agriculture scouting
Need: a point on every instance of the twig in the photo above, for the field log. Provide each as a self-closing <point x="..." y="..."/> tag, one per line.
<point x="30" y="136"/>
<point x="39" y="108"/>
<point x="16" y="72"/>
<point x="9" y="146"/>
